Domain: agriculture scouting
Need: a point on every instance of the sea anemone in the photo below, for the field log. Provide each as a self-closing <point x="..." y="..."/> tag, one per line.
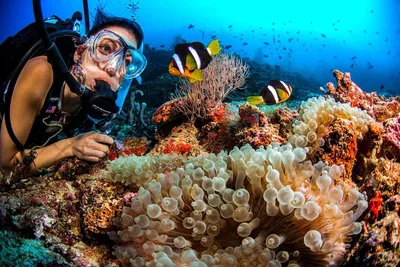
<point x="264" y="207"/>
<point x="315" y="116"/>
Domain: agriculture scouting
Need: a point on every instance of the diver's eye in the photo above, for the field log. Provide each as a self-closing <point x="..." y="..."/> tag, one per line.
<point x="128" y="61"/>
<point x="105" y="49"/>
<point x="128" y="58"/>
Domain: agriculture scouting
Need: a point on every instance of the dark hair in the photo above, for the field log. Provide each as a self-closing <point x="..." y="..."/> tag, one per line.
<point x="102" y="20"/>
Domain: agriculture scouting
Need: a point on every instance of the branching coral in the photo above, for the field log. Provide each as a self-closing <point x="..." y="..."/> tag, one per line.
<point x="246" y="208"/>
<point x="223" y="75"/>
<point x="315" y="116"/>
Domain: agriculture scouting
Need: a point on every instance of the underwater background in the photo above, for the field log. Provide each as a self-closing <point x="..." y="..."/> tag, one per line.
<point x="309" y="37"/>
<point x="313" y="181"/>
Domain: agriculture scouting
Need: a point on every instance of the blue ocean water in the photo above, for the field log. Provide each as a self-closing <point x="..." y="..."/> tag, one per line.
<point x="311" y="37"/>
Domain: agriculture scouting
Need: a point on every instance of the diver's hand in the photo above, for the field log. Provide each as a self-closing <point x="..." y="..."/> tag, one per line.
<point x="91" y="146"/>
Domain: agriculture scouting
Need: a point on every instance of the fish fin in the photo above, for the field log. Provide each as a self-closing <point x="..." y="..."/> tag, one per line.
<point x="195" y="76"/>
<point x="214" y="47"/>
<point x="190" y="63"/>
<point x="283" y="95"/>
<point x="255" y="100"/>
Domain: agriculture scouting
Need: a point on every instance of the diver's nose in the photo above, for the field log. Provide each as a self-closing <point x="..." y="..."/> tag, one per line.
<point x="114" y="70"/>
<point x="111" y="67"/>
<point x="111" y="70"/>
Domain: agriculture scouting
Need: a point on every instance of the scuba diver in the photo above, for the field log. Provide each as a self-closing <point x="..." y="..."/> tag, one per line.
<point x="42" y="106"/>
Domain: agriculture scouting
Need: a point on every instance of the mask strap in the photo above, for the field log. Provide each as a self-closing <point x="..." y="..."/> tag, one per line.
<point x="122" y="93"/>
<point x="141" y="48"/>
<point x="139" y="78"/>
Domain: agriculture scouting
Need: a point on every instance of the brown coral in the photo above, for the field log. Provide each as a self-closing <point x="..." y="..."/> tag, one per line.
<point x="386" y="108"/>
<point x="284" y="118"/>
<point x="348" y="92"/>
<point x="340" y="146"/>
<point x="168" y="112"/>
<point x="100" y="205"/>
<point x="254" y="128"/>
<point x="182" y="141"/>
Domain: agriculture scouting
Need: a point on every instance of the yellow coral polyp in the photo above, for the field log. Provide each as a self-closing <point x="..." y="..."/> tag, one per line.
<point x="194" y="211"/>
<point x="316" y="114"/>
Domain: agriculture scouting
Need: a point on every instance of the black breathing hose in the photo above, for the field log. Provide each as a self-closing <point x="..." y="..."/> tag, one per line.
<point x="56" y="59"/>
<point x="86" y="13"/>
<point x="53" y="53"/>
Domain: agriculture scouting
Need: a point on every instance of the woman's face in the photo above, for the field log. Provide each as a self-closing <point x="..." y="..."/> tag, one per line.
<point x="93" y="70"/>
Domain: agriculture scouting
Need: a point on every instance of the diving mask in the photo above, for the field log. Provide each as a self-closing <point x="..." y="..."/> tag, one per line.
<point x="113" y="50"/>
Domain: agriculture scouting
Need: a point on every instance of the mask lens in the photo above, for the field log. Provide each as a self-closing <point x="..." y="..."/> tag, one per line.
<point x="137" y="64"/>
<point x="108" y="46"/>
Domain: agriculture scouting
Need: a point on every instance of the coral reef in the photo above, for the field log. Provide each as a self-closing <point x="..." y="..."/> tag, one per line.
<point x="61" y="217"/>
<point x="254" y="128"/>
<point x="181" y="140"/>
<point x="168" y="115"/>
<point x="128" y="146"/>
<point x="99" y="211"/>
<point x="347" y="91"/>
<point x="220" y="208"/>
<point x="34" y="253"/>
<point x="330" y="130"/>
<point x="391" y="139"/>
<point x="315" y="117"/>
<point x="374" y="246"/>
<point x="340" y="145"/>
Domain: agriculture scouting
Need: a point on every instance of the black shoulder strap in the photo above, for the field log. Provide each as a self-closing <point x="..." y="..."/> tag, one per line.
<point x="34" y="51"/>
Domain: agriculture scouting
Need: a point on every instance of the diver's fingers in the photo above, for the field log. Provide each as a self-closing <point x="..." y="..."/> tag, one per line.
<point x="102" y="138"/>
<point x="96" y="153"/>
<point x="92" y="159"/>
<point x="99" y="147"/>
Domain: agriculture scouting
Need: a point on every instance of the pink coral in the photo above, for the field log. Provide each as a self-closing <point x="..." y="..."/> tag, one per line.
<point x="254" y="128"/>
<point x="348" y="92"/>
<point x="391" y="138"/>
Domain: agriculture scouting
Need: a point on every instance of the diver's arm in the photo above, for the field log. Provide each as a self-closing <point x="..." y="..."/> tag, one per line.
<point x="89" y="146"/>
<point x="46" y="156"/>
<point x="29" y="95"/>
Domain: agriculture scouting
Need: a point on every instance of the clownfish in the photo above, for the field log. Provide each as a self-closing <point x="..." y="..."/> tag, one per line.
<point x="274" y="93"/>
<point x="190" y="58"/>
